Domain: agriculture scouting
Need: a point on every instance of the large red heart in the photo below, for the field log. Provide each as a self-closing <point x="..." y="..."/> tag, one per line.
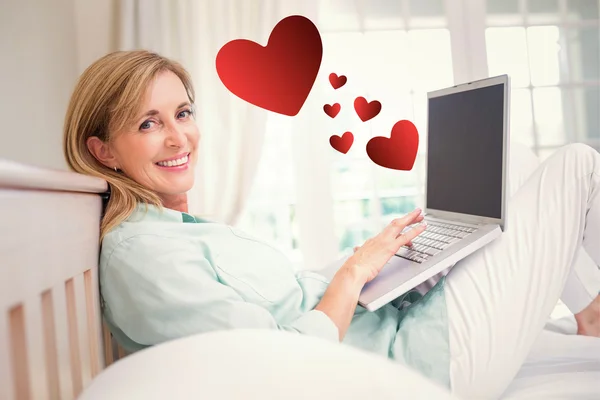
<point x="342" y="144"/>
<point x="279" y="76"/>
<point x="397" y="152"/>
<point x="366" y="110"/>
<point x="332" y="110"/>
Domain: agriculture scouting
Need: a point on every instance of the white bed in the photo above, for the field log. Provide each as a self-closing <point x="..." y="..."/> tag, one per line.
<point x="50" y="336"/>
<point x="559" y="366"/>
<point x="52" y="345"/>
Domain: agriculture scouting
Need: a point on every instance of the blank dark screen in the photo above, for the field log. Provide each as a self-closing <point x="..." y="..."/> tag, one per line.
<point x="464" y="163"/>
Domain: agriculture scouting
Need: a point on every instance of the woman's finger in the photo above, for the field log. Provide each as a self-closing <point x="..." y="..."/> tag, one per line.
<point x="418" y="219"/>
<point x="412" y="224"/>
<point x="398" y="224"/>
<point x="409" y="235"/>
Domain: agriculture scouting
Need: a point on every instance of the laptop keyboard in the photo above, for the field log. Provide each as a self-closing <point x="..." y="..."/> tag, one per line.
<point x="433" y="240"/>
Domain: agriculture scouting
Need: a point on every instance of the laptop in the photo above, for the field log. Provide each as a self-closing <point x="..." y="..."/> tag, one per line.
<point x="465" y="186"/>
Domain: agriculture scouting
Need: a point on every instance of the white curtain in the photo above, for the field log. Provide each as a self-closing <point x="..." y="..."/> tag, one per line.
<point x="232" y="131"/>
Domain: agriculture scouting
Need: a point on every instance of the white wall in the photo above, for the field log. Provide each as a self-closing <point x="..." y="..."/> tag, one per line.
<point x="96" y="33"/>
<point x="44" y="46"/>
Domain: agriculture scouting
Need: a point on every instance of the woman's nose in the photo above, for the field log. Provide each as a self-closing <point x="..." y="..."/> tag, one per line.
<point x="176" y="136"/>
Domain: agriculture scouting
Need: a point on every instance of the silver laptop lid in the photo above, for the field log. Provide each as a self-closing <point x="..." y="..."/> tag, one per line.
<point x="467" y="151"/>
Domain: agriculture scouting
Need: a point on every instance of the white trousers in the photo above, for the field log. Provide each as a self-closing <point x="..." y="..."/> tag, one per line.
<point x="500" y="297"/>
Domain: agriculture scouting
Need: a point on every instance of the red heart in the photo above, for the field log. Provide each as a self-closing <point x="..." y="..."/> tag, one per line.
<point x="333" y="110"/>
<point x="337" y="81"/>
<point x="342" y="144"/>
<point x="366" y="110"/>
<point x="397" y="152"/>
<point x="277" y="77"/>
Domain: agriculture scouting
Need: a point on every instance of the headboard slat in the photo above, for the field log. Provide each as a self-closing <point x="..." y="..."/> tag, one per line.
<point x="92" y="325"/>
<point x="82" y="329"/>
<point x="20" y="361"/>
<point x="36" y="355"/>
<point x="6" y="367"/>
<point x="49" y="325"/>
<point x="72" y="321"/>
<point x="62" y="341"/>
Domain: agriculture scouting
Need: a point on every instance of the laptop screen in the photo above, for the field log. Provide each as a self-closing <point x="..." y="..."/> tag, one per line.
<point x="464" y="162"/>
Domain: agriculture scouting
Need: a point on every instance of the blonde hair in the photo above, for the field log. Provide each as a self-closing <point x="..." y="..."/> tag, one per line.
<point x="105" y="100"/>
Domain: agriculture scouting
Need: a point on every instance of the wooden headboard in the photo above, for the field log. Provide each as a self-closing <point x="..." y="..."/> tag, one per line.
<point x="51" y="340"/>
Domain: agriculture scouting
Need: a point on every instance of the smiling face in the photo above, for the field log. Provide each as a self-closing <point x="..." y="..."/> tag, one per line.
<point x="158" y="149"/>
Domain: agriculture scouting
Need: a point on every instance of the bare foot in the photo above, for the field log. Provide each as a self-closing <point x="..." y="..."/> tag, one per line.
<point x="588" y="320"/>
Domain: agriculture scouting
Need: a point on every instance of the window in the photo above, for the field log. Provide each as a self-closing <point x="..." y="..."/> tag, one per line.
<point x="395" y="51"/>
<point x="270" y="211"/>
<point x="365" y="196"/>
<point x="551" y="49"/>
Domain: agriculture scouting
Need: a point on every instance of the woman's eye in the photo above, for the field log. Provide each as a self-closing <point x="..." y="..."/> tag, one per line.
<point x="185" y="113"/>
<point x="146" y="125"/>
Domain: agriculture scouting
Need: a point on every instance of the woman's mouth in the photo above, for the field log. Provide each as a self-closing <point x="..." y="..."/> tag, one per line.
<point x="175" y="165"/>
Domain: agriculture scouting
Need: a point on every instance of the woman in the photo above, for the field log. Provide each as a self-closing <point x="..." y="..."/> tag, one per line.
<point x="167" y="274"/>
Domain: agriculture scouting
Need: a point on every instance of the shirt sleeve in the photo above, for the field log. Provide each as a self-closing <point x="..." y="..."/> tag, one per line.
<point x="159" y="288"/>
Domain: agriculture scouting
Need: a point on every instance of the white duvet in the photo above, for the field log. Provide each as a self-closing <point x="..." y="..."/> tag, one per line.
<point x="270" y="365"/>
<point x="561" y="365"/>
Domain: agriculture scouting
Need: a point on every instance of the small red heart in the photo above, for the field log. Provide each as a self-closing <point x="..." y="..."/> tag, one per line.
<point x="337" y="81"/>
<point x="397" y="152"/>
<point x="280" y="76"/>
<point x="366" y="110"/>
<point x="342" y="144"/>
<point x="333" y="110"/>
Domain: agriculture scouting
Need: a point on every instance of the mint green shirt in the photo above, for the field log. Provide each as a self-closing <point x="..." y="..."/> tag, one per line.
<point x="166" y="275"/>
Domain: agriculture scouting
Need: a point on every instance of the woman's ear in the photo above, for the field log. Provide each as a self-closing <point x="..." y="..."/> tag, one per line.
<point x="102" y="152"/>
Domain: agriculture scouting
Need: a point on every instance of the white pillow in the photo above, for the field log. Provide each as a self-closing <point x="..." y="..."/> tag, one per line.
<point x="253" y="364"/>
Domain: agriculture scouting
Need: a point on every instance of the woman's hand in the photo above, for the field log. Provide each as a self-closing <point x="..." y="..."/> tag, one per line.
<point x="341" y="297"/>
<point x="368" y="260"/>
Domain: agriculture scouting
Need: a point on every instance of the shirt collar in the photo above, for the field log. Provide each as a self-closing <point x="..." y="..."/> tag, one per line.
<point x="154" y="214"/>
